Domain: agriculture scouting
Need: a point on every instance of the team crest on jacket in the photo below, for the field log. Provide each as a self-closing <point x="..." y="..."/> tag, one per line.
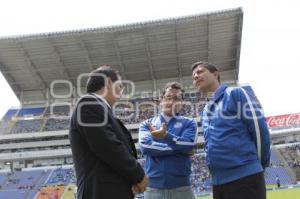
<point x="178" y="125"/>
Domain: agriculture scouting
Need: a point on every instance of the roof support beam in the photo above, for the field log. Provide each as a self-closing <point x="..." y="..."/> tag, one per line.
<point x="150" y="64"/>
<point x="208" y="37"/>
<point x="86" y="53"/>
<point x="118" y="54"/>
<point x="178" y="61"/>
<point x="238" y="49"/>
<point x="32" y="68"/>
<point x="64" y="70"/>
<point x="10" y="78"/>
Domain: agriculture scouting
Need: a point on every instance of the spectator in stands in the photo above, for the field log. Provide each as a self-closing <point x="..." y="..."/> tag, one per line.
<point x="167" y="141"/>
<point x="277" y="181"/>
<point x="103" y="150"/>
<point x="237" y="140"/>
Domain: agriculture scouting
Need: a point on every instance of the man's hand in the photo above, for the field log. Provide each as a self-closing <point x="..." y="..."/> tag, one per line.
<point x="159" y="134"/>
<point x="141" y="186"/>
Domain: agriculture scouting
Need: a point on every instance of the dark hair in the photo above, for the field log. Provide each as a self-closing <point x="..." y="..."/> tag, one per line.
<point x="96" y="80"/>
<point x="210" y="67"/>
<point x="173" y="85"/>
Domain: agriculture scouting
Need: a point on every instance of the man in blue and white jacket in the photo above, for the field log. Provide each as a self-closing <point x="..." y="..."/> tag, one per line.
<point x="237" y="140"/>
<point x="167" y="141"/>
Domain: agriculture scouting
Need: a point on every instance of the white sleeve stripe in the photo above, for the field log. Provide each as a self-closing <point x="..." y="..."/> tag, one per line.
<point x="257" y="130"/>
<point x="155" y="147"/>
<point x="185" y="143"/>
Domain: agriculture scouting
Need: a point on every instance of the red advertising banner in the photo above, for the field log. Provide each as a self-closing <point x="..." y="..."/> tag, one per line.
<point x="283" y="121"/>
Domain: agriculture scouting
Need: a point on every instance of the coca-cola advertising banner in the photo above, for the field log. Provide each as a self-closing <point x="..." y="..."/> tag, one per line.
<point x="284" y="121"/>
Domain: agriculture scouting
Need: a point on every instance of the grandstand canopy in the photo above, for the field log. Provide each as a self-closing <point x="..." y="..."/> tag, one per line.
<point x="148" y="53"/>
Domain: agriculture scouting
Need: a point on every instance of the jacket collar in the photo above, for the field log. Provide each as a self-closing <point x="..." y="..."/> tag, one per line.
<point x="102" y="99"/>
<point x="162" y="118"/>
<point x="219" y="92"/>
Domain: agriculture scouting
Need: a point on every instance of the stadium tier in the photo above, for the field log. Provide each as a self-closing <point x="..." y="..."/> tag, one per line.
<point x="42" y="182"/>
<point x="54" y="118"/>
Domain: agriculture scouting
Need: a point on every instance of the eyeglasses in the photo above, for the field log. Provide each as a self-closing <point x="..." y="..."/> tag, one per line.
<point x="173" y="98"/>
<point x="119" y="85"/>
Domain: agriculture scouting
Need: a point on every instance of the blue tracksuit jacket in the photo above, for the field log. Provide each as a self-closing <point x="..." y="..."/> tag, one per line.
<point x="168" y="163"/>
<point x="237" y="140"/>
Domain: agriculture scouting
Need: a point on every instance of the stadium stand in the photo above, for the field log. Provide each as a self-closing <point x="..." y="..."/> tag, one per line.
<point x="55" y="118"/>
<point x="4" y="126"/>
<point x="6" y="121"/>
<point x="52" y="111"/>
<point x="291" y="155"/>
<point x="53" y="124"/>
<point x="10" y="114"/>
<point x="61" y="176"/>
<point x="36" y="183"/>
<point x="31" y="112"/>
<point x="26" y="126"/>
<point x="200" y="175"/>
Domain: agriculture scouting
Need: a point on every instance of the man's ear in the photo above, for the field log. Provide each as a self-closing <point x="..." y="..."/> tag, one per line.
<point x="109" y="83"/>
<point x="216" y="74"/>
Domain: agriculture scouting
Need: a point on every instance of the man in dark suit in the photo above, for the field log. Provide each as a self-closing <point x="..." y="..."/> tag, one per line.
<point x="103" y="150"/>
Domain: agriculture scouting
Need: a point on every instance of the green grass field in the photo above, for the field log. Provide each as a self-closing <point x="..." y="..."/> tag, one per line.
<point x="277" y="194"/>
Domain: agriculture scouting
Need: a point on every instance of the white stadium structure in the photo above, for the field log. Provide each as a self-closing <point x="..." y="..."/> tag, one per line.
<point x="48" y="71"/>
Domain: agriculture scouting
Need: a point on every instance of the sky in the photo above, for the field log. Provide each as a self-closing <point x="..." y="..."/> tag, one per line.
<point x="270" y="37"/>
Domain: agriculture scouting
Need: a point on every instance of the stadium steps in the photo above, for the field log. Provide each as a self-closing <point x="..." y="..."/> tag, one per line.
<point x="69" y="192"/>
<point x="11" y="125"/>
<point x="44" y="124"/>
<point x="297" y="171"/>
<point x="278" y="155"/>
<point x="287" y="157"/>
<point x="283" y="161"/>
<point x="45" y="118"/>
<point x="39" y="181"/>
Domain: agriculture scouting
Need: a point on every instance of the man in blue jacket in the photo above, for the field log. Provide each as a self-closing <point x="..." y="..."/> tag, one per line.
<point x="167" y="141"/>
<point x="237" y="141"/>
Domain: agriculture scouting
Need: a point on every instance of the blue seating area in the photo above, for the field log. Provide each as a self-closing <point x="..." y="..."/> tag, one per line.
<point x="9" y="114"/>
<point x="23" y="179"/>
<point x="26" y="184"/>
<point x="62" y="110"/>
<point x="20" y="184"/>
<point x="26" y="126"/>
<point x="61" y="176"/>
<point x="31" y="111"/>
<point x="56" y="116"/>
<point x="53" y="124"/>
<point x="15" y="194"/>
<point x="2" y="178"/>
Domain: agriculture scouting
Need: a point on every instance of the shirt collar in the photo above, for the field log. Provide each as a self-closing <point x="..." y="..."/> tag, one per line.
<point x="103" y="99"/>
<point x="166" y="118"/>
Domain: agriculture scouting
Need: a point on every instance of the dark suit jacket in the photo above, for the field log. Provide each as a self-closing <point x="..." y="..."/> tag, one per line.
<point x="104" y="154"/>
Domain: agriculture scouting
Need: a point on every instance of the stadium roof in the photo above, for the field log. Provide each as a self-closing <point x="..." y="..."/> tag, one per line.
<point x="150" y="53"/>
